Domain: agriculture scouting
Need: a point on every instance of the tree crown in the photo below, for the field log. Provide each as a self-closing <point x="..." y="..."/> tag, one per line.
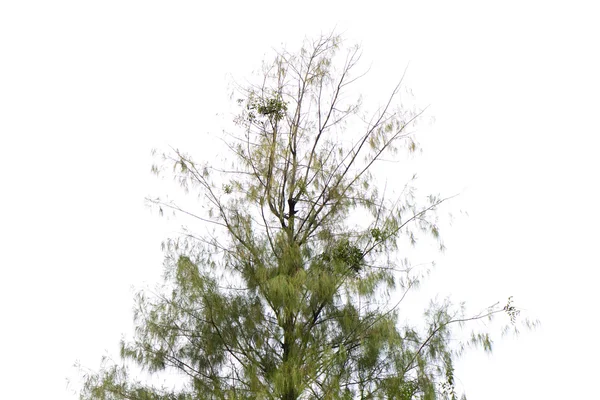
<point x="288" y="294"/>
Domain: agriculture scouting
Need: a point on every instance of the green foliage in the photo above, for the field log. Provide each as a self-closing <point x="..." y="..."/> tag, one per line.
<point x="272" y="108"/>
<point x="343" y="252"/>
<point x="284" y="299"/>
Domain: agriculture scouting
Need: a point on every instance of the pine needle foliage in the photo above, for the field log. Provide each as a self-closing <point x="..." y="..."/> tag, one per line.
<point x="291" y="294"/>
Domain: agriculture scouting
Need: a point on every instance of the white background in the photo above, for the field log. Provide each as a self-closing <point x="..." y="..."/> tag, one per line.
<point x="87" y="89"/>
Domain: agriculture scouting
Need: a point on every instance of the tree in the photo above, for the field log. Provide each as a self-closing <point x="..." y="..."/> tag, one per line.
<point x="291" y="294"/>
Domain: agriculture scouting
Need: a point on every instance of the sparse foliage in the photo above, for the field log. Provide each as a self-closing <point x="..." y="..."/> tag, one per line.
<point x="293" y="292"/>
